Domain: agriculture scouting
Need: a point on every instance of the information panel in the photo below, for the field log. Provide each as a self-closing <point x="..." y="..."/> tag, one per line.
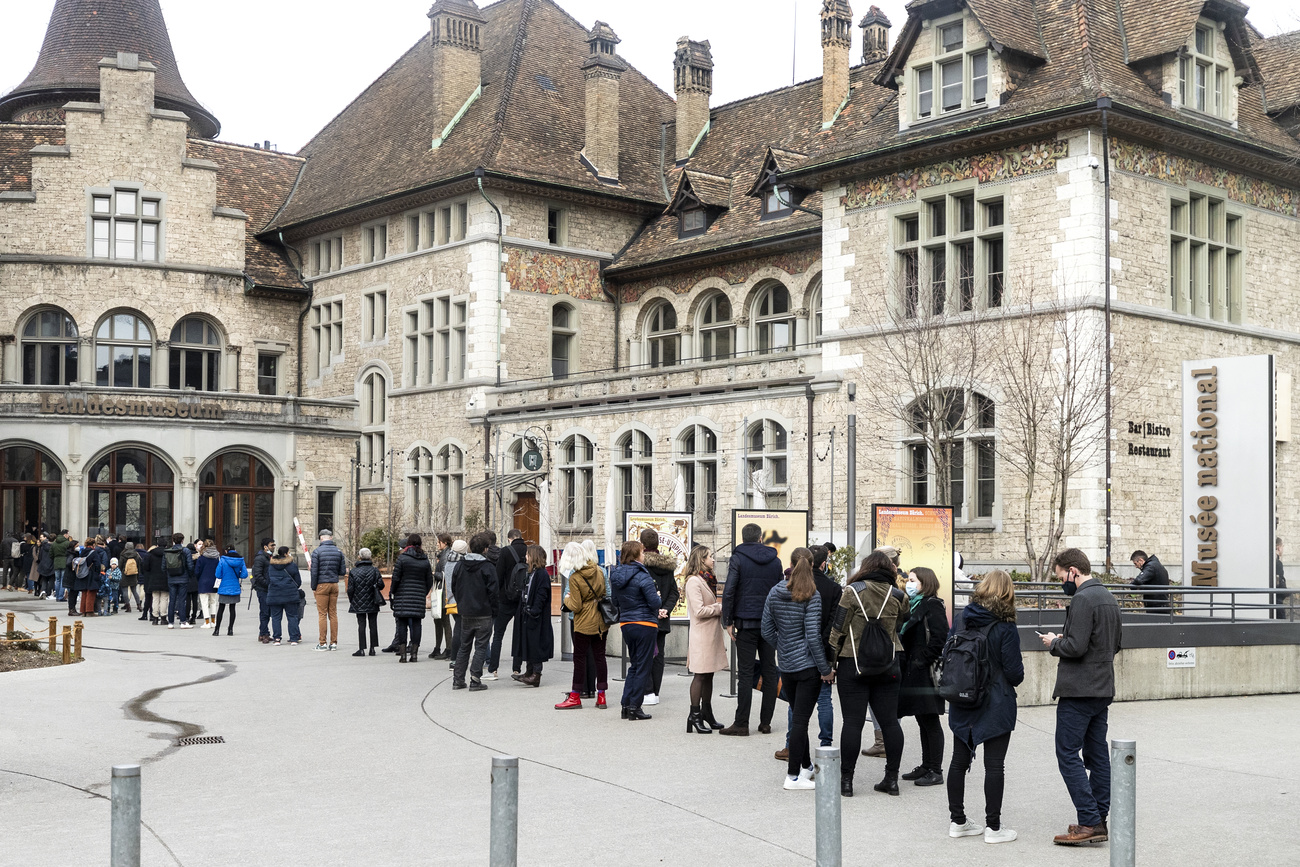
<point x="923" y="537"/>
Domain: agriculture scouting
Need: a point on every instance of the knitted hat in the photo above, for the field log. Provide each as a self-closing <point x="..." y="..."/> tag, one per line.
<point x="460" y="546"/>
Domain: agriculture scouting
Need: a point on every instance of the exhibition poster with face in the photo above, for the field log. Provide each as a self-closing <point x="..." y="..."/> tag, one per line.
<point x="923" y="537"/>
<point x="674" y="529"/>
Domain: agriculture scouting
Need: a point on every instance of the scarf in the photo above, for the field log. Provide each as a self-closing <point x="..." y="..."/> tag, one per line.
<point x="711" y="581"/>
<point x="913" y="604"/>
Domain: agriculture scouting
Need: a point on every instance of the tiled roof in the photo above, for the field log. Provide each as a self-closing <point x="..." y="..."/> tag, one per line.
<point x="83" y="32"/>
<point x="1153" y="29"/>
<point x="16" y="143"/>
<point x="1279" y="60"/>
<point x="710" y="189"/>
<point x="529" y="122"/>
<point x="1012" y="24"/>
<point x="256" y="182"/>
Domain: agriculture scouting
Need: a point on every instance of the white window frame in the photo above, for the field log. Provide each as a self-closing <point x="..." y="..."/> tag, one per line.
<point x="577" y="483"/>
<point x="563" y="335"/>
<point x="557" y="225"/>
<point x="177" y="349"/>
<point x="107" y="225"/>
<point x="968" y="56"/>
<point x="976" y="441"/>
<point x="767" y="326"/>
<point x="1211" y="95"/>
<point x="634" y="470"/>
<point x="710" y="327"/>
<point x="69" y="353"/>
<point x="278" y="355"/>
<point x="373" y="411"/>
<point x="770" y="454"/>
<point x="698" y="468"/>
<point x="436" y="335"/>
<point x="133" y="344"/>
<point x="660" y="340"/>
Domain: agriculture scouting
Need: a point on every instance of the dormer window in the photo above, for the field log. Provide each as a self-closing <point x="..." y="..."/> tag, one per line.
<point x="777" y="202"/>
<point x="692" y="222"/>
<point x="1204" y="74"/>
<point x="955" y="78"/>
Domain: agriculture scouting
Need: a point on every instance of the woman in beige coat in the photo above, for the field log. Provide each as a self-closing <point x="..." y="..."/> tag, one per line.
<point x="586" y="588"/>
<point x="705" y="652"/>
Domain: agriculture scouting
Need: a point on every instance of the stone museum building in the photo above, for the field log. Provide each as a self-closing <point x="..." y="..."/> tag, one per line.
<point x="514" y="283"/>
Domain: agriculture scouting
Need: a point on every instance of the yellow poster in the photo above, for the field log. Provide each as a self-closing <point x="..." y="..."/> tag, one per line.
<point x="923" y="537"/>
<point x="782" y="530"/>
<point x="674" y="529"/>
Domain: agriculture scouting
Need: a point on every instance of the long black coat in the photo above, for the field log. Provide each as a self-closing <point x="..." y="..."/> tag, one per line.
<point x="412" y="581"/>
<point x="923" y="638"/>
<point x="662" y="569"/>
<point x="153" y="573"/>
<point x="534" y="638"/>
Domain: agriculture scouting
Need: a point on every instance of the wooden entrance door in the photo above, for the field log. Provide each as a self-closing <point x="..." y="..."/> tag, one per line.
<point x="528" y="517"/>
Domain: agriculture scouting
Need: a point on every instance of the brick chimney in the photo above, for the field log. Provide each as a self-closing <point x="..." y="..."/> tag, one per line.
<point x="875" y="35"/>
<point x="837" y="40"/>
<point x="456" y="30"/>
<point x="693" y="80"/>
<point x="602" y="70"/>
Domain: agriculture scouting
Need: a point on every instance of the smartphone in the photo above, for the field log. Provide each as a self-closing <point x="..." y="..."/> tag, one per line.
<point x="1040" y="634"/>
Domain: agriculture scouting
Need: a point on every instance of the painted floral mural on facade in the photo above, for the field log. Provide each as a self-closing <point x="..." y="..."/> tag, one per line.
<point x="735" y="273"/>
<point x="1017" y="162"/>
<point x="545" y="273"/>
<point x="1154" y="163"/>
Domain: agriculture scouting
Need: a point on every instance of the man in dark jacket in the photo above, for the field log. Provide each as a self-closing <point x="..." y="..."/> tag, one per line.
<point x="752" y="572"/>
<point x="474" y="586"/>
<point x="327" y="567"/>
<point x="1151" y="573"/>
<point x="663" y="569"/>
<point x="261" y="560"/>
<point x="1085" y="687"/>
<point x="512" y="555"/>
<point x="178" y="567"/>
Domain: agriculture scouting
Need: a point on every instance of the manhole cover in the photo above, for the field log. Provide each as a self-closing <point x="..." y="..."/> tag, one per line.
<point x="193" y="742"/>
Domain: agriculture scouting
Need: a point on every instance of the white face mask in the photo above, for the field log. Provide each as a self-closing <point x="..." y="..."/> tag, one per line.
<point x="912" y="588"/>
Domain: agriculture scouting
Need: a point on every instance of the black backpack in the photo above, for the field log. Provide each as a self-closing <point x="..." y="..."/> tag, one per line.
<point x="875" y="653"/>
<point x="174" y="561"/>
<point x="516" y="583"/>
<point x="967" y="668"/>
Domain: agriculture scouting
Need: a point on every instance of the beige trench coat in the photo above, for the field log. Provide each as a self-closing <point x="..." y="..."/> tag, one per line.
<point x="705" y="651"/>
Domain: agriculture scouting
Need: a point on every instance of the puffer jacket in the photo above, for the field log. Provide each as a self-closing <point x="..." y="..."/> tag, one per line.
<point x="231" y="572"/>
<point x="795" y="629"/>
<point x="283" y="581"/>
<point x="474" y="584"/>
<point x="260" y="561"/>
<point x="205" y="570"/>
<point x="365" y="588"/>
<point x="60" y="548"/>
<point x="412" y="581"/>
<point x="586" y="589"/>
<point x="998" y="715"/>
<point x="879" y="598"/>
<point x="663" y="570"/>
<point x="752" y="572"/>
<point x="635" y="594"/>
<point x="327" y="564"/>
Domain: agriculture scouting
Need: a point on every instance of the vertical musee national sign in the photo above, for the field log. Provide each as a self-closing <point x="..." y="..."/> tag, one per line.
<point x="1228" y="470"/>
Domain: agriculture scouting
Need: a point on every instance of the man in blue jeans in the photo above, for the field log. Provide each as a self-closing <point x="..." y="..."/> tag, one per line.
<point x="177" y="566"/>
<point x="1085" y="687"/>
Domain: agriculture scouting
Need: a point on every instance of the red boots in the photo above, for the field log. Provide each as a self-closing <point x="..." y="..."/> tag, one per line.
<point x="600" y="701"/>
<point x="573" y="702"/>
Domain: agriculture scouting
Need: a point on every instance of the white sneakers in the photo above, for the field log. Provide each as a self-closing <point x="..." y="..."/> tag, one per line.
<point x="802" y="782"/>
<point x="491" y="675"/>
<point x="970" y="829"/>
<point x="650" y="698"/>
<point x="187" y="626"/>
<point x="322" y="647"/>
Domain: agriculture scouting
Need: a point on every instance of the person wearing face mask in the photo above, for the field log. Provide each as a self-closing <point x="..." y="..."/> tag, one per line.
<point x="1085" y="687"/>
<point x="923" y="637"/>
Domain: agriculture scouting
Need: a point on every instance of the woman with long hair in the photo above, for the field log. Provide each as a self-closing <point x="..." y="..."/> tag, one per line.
<point x="639" y="611"/>
<point x="533" y="641"/>
<point x="992" y="608"/>
<point x="705" y="651"/>
<point x="792" y="622"/>
<point x="586" y="589"/>
<point x="871" y="595"/>
<point x="923" y="637"/>
<point x="412" y="581"/>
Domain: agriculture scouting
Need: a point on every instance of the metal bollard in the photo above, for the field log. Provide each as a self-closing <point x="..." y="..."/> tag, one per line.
<point x="76" y="638"/>
<point x="1123" y="805"/>
<point x="830" y="852"/>
<point x="504" y="850"/>
<point x="732" y="667"/>
<point x="125" y="793"/>
<point x="54" y="629"/>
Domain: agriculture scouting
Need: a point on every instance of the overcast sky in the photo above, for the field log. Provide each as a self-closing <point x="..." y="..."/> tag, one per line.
<point x="281" y="69"/>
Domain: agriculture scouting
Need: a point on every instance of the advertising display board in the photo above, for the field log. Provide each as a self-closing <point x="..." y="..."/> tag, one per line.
<point x="674" y="529"/>
<point x="782" y="530"/>
<point x="1228" y="474"/>
<point x="923" y="537"/>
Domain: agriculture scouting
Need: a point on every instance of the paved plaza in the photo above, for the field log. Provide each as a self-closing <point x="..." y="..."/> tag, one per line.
<point x="333" y="760"/>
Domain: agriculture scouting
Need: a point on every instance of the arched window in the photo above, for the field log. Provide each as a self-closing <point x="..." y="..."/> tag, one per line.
<point x="450" y="469"/>
<point x="131" y="494"/>
<point x="717" y="333"/>
<point x="663" y="341"/>
<point x="634" y="466"/>
<point x="563" y="327"/>
<point x="697" y="468"/>
<point x="374" y="429"/>
<point x="961" y="426"/>
<point x="767" y="482"/>
<point x="195" y="357"/>
<point x="773" y="321"/>
<point x="123" y="352"/>
<point x="815" y="310"/>
<point x="31" y="491"/>
<point x="237" y="501"/>
<point x="49" y="349"/>
<point x="419" y="486"/>
<point x="577" y="477"/>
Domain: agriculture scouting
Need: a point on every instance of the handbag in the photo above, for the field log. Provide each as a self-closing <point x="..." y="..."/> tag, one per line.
<point x="437" y="602"/>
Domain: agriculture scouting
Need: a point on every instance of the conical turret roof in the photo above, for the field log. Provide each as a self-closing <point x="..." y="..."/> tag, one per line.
<point x="83" y="32"/>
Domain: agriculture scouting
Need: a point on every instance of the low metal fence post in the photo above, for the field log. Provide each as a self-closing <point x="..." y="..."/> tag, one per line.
<point x="1123" y="810"/>
<point x="732" y="668"/>
<point x="504" y="851"/>
<point x="125" y="845"/>
<point x="830" y="851"/>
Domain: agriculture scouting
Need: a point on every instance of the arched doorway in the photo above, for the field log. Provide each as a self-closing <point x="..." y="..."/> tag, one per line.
<point x="31" y="491"/>
<point x="132" y="494"/>
<point x="237" y="501"/>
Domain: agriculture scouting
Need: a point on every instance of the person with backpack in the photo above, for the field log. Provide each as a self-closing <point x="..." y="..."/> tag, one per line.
<point x="327" y="565"/>
<point x="474" y="587"/>
<point x="261" y="560"/>
<point x="411" y="584"/>
<point x="663" y="569"/>
<point x="155" y="584"/>
<point x="177" y="567"/>
<point x="1085" y="688"/>
<point x="130" y="560"/>
<point x="987" y="628"/>
<point x="752" y="571"/>
<point x="283" y="595"/>
<point x="512" y="578"/>
<point x="864" y="639"/>
<point x="639" y="609"/>
<point x="533" y="641"/>
<point x="231" y="573"/>
<point x="586" y="589"/>
<point x="77" y="572"/>
<point x="792" y="623"/>
<point x="923" y="637"/>
<point x="365" y="598"/>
